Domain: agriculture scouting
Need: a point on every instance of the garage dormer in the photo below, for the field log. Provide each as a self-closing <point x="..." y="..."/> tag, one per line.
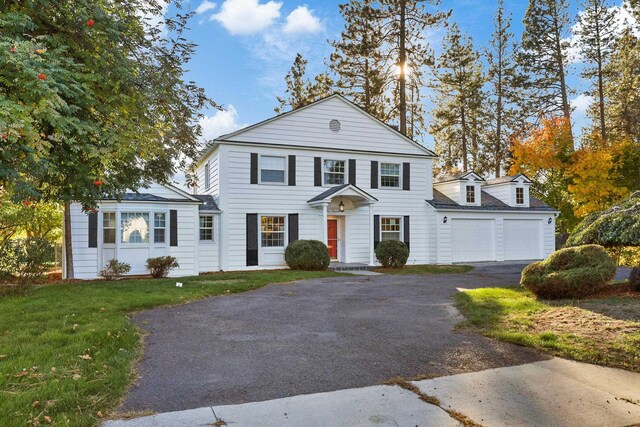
<point x="512" y="190"/>
<point x="463" y="188"/>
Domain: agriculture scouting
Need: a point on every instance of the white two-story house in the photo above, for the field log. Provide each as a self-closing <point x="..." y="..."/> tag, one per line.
<point x="327" y="171"/>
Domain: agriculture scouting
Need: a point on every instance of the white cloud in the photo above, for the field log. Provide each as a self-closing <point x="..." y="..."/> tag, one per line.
<point x="301" y="20"/>
<point x="220" y="123"/>
<point x="205" y="6"/>
<point x="247" y="16"/>
<point x="581" y="103"/>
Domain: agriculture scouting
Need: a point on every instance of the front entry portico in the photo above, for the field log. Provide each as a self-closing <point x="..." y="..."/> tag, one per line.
<point x="337" y="205"/>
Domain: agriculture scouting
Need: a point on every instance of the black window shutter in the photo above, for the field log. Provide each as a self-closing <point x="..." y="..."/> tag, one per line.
<point x="317" y="171"/>
<point x="293" y="227"/>
<point x="407" y="232"/>
<point x="93" y="230"/>
<point x="374" y="174"/>
<point x="376" y="231"/>
<point x="292" y="170"/>
<point x="173" y="227"/>
<point x="352" y="171"/>
<point x="252" y="239"/>
<point x="254" y="168"/>
<point x="406" y="176"/>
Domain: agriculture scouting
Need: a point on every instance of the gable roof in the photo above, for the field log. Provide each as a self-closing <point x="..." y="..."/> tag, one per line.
<point x="507" y="179"/>
<point x="457" y="177"/>
<point x="487" y="203"/>
<point x="386" y="127"/>
<point x="337" y="190"/>
<point x="208" y="202"/>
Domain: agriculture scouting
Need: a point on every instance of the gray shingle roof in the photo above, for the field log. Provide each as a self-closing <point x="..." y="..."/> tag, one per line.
<point x="454" y="177"/>
<point x="504" y="179"/>
<point x="487" y="203"/>
<point x="208" y="202"/>
<point x="334" y="190"/>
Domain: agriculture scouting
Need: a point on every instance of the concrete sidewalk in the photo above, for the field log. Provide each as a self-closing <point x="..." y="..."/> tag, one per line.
<point x="557" y="392"/>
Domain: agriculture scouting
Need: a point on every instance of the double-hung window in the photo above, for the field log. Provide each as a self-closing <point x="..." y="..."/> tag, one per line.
<point x="519" y="196"/>
<point x="108" y="227"/>
<point x="134" y="227"/>
<point x="206" y="227"/>
<point x="272" y="231"/>
<point x="272" y="169"/>
<point x="390" y="228"/>
<point x="390" y="175"/>
<point x="471" y="193"/>
<point x="159" y="227"/>
<point x="334" y="172"/>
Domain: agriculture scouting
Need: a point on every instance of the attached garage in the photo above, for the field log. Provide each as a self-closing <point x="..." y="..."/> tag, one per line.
<point x="522" y="239"/>
<point x="473" y="240"/>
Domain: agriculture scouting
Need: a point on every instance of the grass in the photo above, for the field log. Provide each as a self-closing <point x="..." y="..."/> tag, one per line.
<point x="604" y="331"/>
<point x="427" y="269"/>
<point x="67" y="351"/>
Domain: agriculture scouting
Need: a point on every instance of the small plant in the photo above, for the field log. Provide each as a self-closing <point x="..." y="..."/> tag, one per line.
<point x="634" y="278"/>
<point x="114" y="269"/>
<point x="25" y="259"/>
<point x="310" y="255"/>
<point x="392" y="254"/>
<point x="160" y="266"/>
<point x="573" y="272"/>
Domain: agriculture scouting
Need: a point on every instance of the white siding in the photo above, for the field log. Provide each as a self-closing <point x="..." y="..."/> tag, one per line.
<point x="507" y="192"/>
<point x="238" y="197"/>
<point x="85" y="259"/>
<point x="309" y="127"/>
<point x="214" y="176"/>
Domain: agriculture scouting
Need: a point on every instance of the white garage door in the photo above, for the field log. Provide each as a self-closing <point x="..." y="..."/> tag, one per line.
<point x="473" y="240"/>
<point x="522" y="239"/>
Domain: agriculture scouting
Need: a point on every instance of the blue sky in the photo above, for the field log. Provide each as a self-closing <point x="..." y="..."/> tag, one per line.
<point x="245" y="48"/>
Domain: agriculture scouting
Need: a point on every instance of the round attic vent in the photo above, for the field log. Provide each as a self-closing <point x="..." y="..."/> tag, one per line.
<point x="334" y="125"/>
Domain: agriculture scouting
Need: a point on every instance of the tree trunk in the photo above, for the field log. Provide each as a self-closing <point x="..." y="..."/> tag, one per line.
<point x="403" y="64"/>
<point x="603" y="126"/>
<point x="68" y="250"/>
<point x="464" y="140"/>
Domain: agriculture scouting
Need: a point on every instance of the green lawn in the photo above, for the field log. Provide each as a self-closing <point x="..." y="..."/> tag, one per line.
<point x="67" y="352"/>
<point x="427" y="269"/>
<point x="604" y="331"/>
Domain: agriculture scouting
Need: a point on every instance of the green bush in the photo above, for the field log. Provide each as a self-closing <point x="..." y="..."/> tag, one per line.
<point x="573" y="272"/>
<point x="392" y="253"/>
<point x="25" y="259"/>
<point x="114" y="269"/>
<point x="634" y="278"/>
<point x="160" y="266"/>
<point x="310" y="255"/>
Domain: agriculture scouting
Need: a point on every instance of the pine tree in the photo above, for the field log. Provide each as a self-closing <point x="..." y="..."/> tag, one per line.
<point x="457" y="120"/>
<point x="596" y="33"/>
<point x="622" y="87"/>
<point x="300" y="91"/>
<point x="357" y="59"/>
<point x="403" y="25"/>
<point x="543" y="56"/>
<point x="505" y="114"/>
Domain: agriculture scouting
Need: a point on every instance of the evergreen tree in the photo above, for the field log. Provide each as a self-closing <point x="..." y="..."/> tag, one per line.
<point x="596" y="31"/>
<point x="300" y="91"/>
<point x="543" y="56"/>
<point x="622" y="86"/>
<point x="358" y="60"/>
<point x="404" y="24"/>
<point x="457" y="120"/>
<point x="504" y="90"/>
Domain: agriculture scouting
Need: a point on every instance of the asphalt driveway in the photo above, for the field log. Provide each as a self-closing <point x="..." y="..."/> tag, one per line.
<point x="313" y="336"/>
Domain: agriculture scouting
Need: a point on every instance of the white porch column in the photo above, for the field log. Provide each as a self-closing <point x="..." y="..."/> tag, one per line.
<point x="325" y="209"/>
<point x="371" y="231"/>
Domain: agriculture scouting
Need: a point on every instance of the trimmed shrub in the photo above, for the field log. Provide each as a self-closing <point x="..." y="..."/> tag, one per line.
<point x="114" y="269"/>
<point x="26" y="259"/>
<point x="634" y="278"/>
<point x="160" y="266"/>
<point x="392" y="253"/>
<point x="310" y="255"/>
<point x="573" y="272"/>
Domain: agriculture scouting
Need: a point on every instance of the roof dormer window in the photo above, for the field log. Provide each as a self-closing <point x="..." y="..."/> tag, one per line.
<point x="471" y="193"/>
<point x="519" y="196"/>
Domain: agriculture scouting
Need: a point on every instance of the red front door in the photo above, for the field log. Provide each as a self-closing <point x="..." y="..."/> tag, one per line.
<point x="332" y="238"/>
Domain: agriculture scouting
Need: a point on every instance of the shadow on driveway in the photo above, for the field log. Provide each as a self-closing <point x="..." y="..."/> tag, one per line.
<point x="313" y="336"/>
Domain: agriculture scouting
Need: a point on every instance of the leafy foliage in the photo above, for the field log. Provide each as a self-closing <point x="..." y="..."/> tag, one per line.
<point x="616" y="226"/>
<point x="300" y="91"/>
<point x="160" y="266"/>
<point x="309" y="255"/>
<point x="574" y="272"/>
<point x="25" y="259"/>
<point x="392" y="254"/>
<point x="30" y="219"/>
<point x="114" y="269"/>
